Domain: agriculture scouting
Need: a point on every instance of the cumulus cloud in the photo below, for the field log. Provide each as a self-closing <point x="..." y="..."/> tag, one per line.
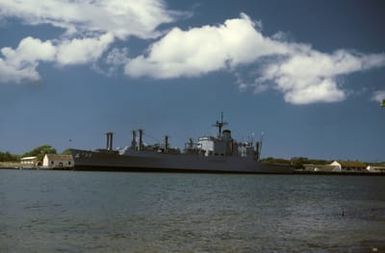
<point x="303" y="74"/>
<point x="80" y="51"/>
<point x="29" y="50"/>
<point x="201" y="50"/>
<point x="378" y="96"/>
<point x="117" y="57"/>
<point x="9" y="73"/>
<point x="112" y="63"/>
<point x="20" y="64"/>
<point x="309" y="77"/>
<point x="120" y="18"/>
<point x="91" y="26"/>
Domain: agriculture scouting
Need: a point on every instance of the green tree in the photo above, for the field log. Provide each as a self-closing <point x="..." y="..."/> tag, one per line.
<point x="8" y="157"/>
<point x="273" y="160"/>
<point x="41" y="151"/>
<point x="67" y="152"/>
<point x="298" y="162"/>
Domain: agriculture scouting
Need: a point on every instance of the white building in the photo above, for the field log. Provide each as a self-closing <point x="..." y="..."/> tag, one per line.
<point x="58" y="161"/>
<point x="337" y="166"/>
<point x="332" y="167"/>
<point x="377" y="169"/>
<point x="29" y="161"/>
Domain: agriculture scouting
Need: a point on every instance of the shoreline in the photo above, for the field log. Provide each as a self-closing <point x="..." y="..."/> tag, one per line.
<point x="106" y="169"/>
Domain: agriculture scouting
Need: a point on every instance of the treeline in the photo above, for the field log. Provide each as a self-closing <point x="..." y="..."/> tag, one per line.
<point x="295" y="161"/>
<point x="39" y="152"/>
<point x="8" y="157"/>
<point x="298" y="162"/>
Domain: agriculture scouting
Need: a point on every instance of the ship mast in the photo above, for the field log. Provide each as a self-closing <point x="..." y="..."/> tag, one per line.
<point x="220" y="125"/>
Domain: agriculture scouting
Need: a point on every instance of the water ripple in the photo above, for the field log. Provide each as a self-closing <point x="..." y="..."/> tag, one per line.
<point x="133" y="212"/>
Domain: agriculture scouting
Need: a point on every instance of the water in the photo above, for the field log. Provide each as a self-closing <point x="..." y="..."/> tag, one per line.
<point x="68" y="211"/>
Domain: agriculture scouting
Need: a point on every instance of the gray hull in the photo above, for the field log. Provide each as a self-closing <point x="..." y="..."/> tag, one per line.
<point x="163" y="162"/>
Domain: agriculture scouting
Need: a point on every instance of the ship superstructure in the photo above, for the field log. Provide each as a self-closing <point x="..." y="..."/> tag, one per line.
<point x="219" y="153"/>
<point x="221" y="145"/>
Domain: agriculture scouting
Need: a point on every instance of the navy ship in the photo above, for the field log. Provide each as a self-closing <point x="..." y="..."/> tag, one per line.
<point x="211" y="154"/>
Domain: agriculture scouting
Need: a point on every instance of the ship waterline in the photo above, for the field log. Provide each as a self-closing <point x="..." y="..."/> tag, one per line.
<point x="149" y="161"/>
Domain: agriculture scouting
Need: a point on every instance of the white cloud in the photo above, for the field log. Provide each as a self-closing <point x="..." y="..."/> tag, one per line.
<point x="121" y="18"/>
<point x="117" y="56"/>
<point x="378" y="96"/>
<point x="20" y="64"/>
<point x="91" y="26"/>
<point x="201" y="50"/>
<point x="312" y="76"/>
<point x="112" y="63"/>
<point x="80" y="51"/>
<point x="30" y="52"/>
<point x="10" y="73"/>
<point x="304" y="75"/>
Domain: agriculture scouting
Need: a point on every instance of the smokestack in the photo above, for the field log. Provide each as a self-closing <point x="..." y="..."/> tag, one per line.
<point x="165" y="143"/>
<point x="140" y="139"/>
<point x="258" y="149"/>
<point x="133" y="142"/>
<point x="109" y="137"/>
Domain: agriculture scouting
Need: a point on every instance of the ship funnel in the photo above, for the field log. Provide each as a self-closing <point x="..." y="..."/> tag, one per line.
<point x="140" y="139"/>
<point x="133" y="142"/>
<point x="259" y="146"/>
<point x="166" y="144"/>
<point x="109" y="137"/>
<point x="226" y="134"/>
<point x="257" y="149"/>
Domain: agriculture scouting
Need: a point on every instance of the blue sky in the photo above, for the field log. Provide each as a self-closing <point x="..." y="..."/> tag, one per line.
<point x="308" y="74"/>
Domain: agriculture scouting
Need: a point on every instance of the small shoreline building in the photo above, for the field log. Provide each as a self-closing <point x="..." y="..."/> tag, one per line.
<point x="29" y="162"/>
<point x="51" y="161"/>
<point x="353" y="166"/>
<point x="376" y="168"/>
<point x="332" y="167"/>
<point x="344" y="166"/>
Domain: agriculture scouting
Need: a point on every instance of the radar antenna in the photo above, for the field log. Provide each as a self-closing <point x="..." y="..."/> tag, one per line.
<point x="220" y="125"/>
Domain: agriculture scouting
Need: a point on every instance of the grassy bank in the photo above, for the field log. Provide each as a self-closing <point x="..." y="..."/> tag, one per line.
<point x="9" y="164"/>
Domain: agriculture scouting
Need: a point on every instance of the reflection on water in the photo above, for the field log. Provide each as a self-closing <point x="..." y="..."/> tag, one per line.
<point x="66" y="211"/>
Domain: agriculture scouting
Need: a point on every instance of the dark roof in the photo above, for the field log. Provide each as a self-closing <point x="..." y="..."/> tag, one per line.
<point x="59" y="157"/>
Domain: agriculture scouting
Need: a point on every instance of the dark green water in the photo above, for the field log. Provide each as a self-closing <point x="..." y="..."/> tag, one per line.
<point x="66" y="211"/>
